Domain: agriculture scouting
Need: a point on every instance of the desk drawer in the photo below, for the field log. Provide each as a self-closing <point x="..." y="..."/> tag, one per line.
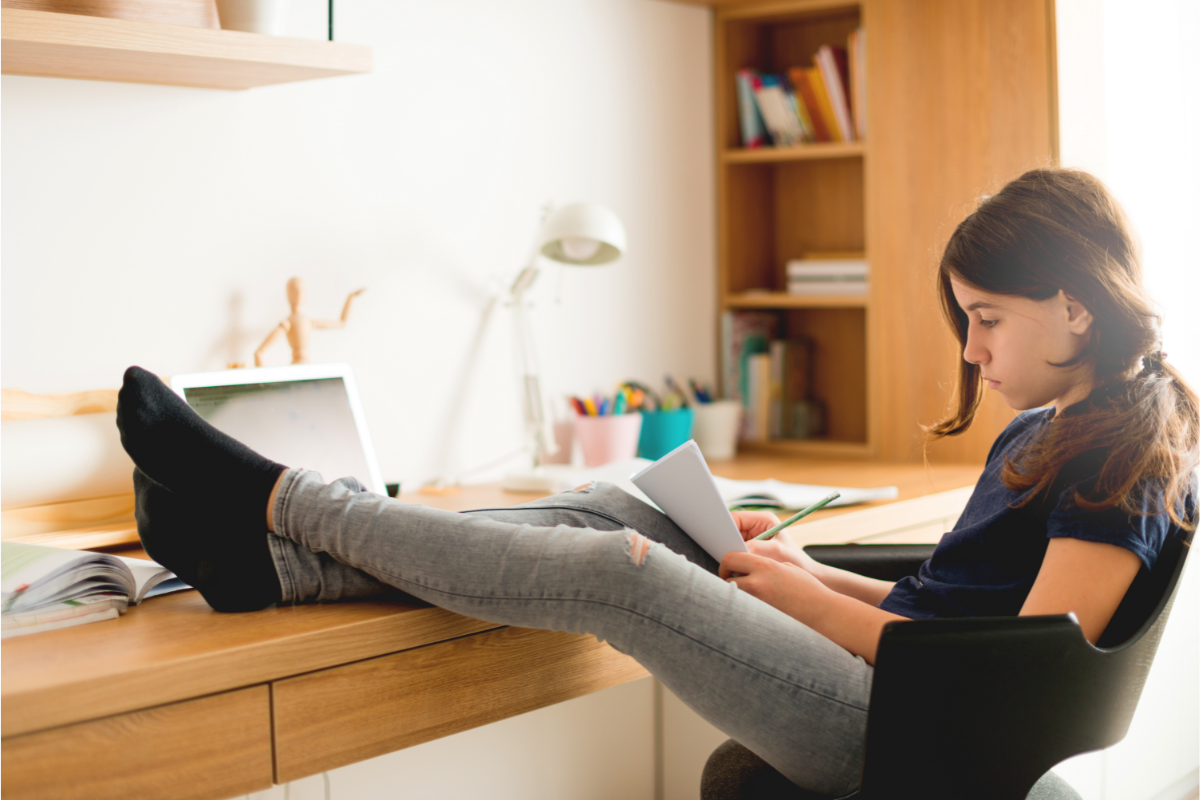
<point x="211" y="748"/>
<point x="346" y="714"/>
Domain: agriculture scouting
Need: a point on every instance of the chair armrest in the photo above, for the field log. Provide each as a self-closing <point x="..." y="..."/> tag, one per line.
<point x="983" y="707"/>
<point x="886" y="562"/>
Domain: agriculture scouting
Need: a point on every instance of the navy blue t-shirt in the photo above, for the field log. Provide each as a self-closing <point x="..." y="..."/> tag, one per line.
<point x="986" y="566"/>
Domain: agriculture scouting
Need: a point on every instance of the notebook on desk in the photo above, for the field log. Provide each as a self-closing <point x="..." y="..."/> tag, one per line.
<point x="304" y="415"/>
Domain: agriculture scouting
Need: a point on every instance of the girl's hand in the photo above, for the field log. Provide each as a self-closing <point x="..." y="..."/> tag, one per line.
<point x="753" y="523"/>
<point x="780" y="584"/>
<point x="783" y="548"/>
<point x="779" y="548"/>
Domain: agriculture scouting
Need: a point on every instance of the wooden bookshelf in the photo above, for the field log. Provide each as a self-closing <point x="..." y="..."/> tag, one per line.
<point x="46" y="44"/>
<point x="955" y="109"/>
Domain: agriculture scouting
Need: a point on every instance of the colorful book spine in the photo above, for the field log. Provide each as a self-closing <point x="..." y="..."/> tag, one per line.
<point x="744" y="334"/>
<point x="797" y="107"/>
<point x="818" y="103"/>
<point x="754" y="131"/>
<point x="773" y="101"/>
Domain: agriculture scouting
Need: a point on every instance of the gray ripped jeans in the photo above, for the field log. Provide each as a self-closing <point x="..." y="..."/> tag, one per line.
<point x="575" y="562"/>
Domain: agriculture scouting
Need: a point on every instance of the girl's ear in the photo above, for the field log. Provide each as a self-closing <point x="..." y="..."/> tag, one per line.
<point x="1079" y="319"/>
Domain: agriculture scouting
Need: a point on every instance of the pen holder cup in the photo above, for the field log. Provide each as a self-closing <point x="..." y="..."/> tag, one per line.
<point x="716" y="429"/>
<point x="663" y="431"/>
<point x="607" y="439"/>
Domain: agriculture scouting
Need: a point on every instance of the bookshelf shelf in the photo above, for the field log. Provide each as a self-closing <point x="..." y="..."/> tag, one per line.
<point x="51" y="45"/>
<point x="804" y="152"/>
<point x="769" y="300"/>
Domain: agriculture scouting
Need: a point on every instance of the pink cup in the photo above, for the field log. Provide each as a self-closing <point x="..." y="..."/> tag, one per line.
<point x="608" y="439"/>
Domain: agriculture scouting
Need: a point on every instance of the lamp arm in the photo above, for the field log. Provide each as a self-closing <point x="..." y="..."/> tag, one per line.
<point x="538" y="428"/>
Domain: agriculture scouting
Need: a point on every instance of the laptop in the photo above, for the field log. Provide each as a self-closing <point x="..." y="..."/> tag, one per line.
<point x="304" y="415"/>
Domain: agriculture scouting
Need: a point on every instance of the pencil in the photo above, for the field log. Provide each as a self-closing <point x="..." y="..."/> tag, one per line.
<point x="799" y="516"/>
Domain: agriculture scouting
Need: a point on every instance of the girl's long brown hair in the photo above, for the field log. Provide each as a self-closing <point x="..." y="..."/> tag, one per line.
<point x="1052" y="229"/>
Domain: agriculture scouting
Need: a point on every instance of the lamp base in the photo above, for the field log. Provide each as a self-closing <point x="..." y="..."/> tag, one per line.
<point x="533" y="481"/>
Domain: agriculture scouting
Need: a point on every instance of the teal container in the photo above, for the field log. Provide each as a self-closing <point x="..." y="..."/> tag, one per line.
<point x="663" y="431"/>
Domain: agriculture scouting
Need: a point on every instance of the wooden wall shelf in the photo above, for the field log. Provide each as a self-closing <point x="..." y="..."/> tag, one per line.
<point x="804" y="152"/>
<point x="51" y="45"/>
<point x="785" y="300"/>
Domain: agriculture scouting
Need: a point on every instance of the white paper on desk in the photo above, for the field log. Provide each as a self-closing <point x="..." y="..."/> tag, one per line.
<point x="680" y="484"/>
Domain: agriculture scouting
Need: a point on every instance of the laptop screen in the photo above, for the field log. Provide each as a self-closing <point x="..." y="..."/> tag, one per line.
<point x="299" y="423"/>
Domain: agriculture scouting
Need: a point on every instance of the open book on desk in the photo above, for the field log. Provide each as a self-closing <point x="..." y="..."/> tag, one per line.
<point x="44" y="588"/>
<point x="780" y="496"/>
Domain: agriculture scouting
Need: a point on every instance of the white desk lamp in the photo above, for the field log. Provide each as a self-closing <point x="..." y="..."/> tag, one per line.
<point x="581" y="234"/>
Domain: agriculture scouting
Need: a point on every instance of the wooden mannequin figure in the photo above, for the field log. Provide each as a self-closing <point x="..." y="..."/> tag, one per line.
<point x="298" y="327"/>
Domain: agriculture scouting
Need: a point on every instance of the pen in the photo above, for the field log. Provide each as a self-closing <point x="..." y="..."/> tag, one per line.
<point x="814" y="507"/>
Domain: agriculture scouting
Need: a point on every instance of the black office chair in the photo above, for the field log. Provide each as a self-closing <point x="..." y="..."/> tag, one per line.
<point x="981" y="708"/>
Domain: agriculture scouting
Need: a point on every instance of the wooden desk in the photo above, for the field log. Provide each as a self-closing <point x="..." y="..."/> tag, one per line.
<point x="213" y="705"/>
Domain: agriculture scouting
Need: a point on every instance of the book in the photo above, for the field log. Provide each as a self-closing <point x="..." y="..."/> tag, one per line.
<point x="829" y="287"/>
<point x="817" y="81"/>
<point x="754" y="131"/>
<point x="684" y="489"/>
<point x="798" y="108"/>
<point x="681" y="485"/>
<point x="831" y="61"/>
<point x="802" y="81"/>
<point x="775" y="494"/>
<point x="856" y="56"/>
<point x="43" y="588"/>
<point x="743" y="334"/>
<point x="827" y="268"/>
<point x="827" y="276"/>
<point x="781" y="120"/>
<point x="799" y="415"/>
<point x="756" y="422"/>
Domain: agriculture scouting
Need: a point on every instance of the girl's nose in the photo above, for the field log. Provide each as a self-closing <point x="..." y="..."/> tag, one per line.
<point x="973" y="353"/>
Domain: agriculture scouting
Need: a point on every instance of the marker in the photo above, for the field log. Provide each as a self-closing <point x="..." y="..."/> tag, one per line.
<point x="801" y="515"/>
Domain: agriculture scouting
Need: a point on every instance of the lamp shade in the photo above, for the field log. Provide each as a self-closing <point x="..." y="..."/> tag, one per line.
<point x="583" y="234"/>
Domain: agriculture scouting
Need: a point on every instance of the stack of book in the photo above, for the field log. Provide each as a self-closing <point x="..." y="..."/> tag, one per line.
<point x="827" y="276"/>
<point x="771" y="376"/>
<point x="822" y="103"/>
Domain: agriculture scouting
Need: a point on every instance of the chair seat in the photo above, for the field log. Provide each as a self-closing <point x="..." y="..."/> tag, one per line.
<point x="735" y="773"/>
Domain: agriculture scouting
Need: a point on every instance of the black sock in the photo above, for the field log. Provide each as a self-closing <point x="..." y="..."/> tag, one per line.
<point x="229" y="563"/>
<point x="178" y="449"/>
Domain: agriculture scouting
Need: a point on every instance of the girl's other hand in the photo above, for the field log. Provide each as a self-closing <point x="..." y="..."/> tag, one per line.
<point x="753" y="523"/>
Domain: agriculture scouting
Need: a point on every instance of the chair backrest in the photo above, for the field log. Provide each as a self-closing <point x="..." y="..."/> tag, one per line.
<point x="984" y="707"/>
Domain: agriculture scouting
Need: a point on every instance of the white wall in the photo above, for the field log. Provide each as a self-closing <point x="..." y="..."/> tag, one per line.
<point x="157" y="225"/>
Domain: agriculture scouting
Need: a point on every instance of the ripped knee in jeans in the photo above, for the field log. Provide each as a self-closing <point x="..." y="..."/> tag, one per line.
<point x="639" y="546"/>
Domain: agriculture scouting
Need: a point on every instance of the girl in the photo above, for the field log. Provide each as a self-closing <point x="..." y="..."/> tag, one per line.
<point x="1042" y="287"/>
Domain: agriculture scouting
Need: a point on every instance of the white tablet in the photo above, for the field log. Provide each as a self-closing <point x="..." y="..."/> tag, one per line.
<point x="304" y="415"/>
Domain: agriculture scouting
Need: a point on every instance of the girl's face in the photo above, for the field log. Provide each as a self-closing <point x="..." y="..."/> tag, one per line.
<point x="1016" y="340"/>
